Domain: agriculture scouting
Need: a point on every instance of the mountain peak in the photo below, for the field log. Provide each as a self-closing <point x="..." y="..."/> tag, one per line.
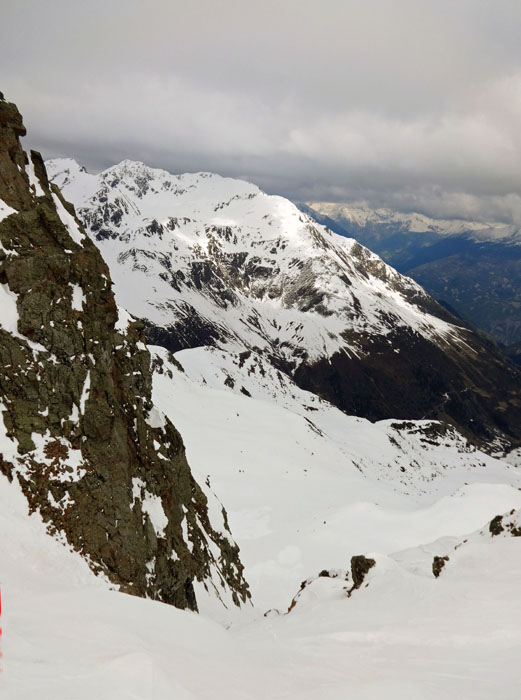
<point x="215" y="261"/>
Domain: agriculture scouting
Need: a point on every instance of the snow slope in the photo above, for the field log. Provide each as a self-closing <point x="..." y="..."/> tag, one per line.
<point x="66" y="635"/>
<point x="405" y="634"/>
<point x="306" y="488"/>
<point x="304" y="484"/>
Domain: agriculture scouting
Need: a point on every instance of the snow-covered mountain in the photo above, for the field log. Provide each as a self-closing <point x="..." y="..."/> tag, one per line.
<point x="414" y="222"/>
<point x="206" y="260"/>
<point x="474" y="268"/>
<point x="241" y="264"/>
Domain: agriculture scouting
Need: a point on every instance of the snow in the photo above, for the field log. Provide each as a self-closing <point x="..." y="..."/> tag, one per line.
<point x="65" y="635"/>
<point x="78" y="297"/>
<point x="150" y="504"/>
<point x="5" y="210"/>
<point x="124" y="318"/>
<point x="68" y="221"/>
<point x="514" y="457"/>
<point x="155" y="419"/>
<point x="284" y="462"/>
<point x="84" y="393"/>
<point x="9" y="317"/>
<point x="33" y="180"/>
<point x="75" y="414"/>
<point x="137" y="486"/>
<point x="304" y="485"/>
<point x="8" y="445"/>
<point x="65" y="170"/>
<point x="361" y="214"/>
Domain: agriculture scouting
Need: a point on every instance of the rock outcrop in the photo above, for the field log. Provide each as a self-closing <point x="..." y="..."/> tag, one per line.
<point x="360" y="567"/>
<point x="78" y="429"/>
<point x="437" y="565"/>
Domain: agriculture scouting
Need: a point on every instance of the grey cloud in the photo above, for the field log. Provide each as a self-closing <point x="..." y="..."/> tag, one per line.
<point x="403" y="103"/>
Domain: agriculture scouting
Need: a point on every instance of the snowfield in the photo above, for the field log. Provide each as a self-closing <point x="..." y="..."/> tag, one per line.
<point x="378" y="565"/>
<point x="306" y="488"/>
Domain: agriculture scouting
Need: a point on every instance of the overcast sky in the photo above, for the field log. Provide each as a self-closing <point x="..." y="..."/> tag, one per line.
<point x="414" y="104"/>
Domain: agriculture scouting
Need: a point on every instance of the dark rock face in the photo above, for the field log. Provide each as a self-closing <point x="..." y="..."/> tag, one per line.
<point x="192" y="331"/>
<point x="511" y="526"/>
<point x="437" y="565"/>
<point x="496" y="525"/>
<point x="473" y="387"/>
<point x="507" y="525"/>
<point x="514" y="353"/>
<point x="360" y="567"/>
<point x="77" y="425"/>
<point x="14" y="185"/>
<point x="483" y="283"/>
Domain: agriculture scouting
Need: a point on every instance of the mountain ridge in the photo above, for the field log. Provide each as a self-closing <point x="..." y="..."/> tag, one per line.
<point x="473" y="267"/>
<point x="227" y="265"/>
<point x="415" y="222"/>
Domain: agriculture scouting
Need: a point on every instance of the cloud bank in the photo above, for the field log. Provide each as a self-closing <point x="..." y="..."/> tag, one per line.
<point x="403" y="103"/>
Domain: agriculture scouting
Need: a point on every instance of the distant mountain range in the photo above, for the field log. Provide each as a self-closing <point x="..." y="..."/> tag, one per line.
<point x="472" y="268"/>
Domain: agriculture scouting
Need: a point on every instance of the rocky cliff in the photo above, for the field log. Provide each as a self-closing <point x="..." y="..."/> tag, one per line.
<point x="78" y="429"/>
